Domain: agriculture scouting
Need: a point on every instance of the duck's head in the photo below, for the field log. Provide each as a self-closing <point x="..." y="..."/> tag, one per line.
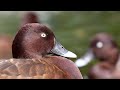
<point x="36" y="39"/>
<point x="103" y="47"/>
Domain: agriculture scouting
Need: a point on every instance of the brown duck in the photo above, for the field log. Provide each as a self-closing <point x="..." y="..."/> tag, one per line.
<point x="37" y="55"/>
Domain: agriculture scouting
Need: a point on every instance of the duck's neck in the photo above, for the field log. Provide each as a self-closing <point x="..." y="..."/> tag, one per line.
<point x="28" y="54"/>
<point x="112" y="60"/>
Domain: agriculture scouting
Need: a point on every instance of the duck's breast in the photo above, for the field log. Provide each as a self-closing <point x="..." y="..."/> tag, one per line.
<point x="65" y="65"/>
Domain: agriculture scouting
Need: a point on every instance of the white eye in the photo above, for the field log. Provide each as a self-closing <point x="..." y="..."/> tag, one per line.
<point x="99" y="45"/>
<point x="43" y="35"/>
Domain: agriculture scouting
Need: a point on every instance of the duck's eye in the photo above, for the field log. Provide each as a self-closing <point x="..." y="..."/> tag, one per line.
<point x="99" y="45"/>
<point x="43" y="35"/>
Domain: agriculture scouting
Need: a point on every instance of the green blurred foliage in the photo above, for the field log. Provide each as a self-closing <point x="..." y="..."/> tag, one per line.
<point x="74" y="29"/>
<point x="9" y="24"/>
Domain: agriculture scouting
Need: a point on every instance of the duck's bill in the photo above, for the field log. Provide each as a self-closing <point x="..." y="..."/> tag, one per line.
<point x="87" y="58"/>
<point x="60" y="50"/>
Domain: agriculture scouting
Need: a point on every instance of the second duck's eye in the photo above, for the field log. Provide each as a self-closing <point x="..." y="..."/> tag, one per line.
<point x="99" y="45"/>
<point x="43" y="35"/>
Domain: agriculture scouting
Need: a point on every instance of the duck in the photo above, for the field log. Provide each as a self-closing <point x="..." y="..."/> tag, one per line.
<point x="38" y="55"/>
<point x="104" y="48"/>
<point x="5" y="46"/>
<point x="29" y="17"/>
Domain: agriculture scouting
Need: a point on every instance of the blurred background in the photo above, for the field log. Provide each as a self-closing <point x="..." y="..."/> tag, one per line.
<point x="73" y="29"/>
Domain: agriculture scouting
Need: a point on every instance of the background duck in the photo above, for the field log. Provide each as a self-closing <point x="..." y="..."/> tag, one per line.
<point x="31" y="50"/>
<point x="105" y="49"/>
<point x="5" y="46"/>
<point x="29" y="17"/>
